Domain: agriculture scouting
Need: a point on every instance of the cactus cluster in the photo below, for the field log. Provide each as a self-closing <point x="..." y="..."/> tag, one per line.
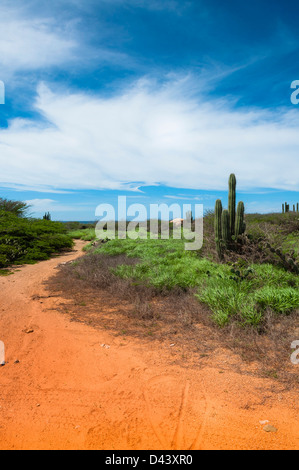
<point x="286" y="207"/>
<point x="229" y="224"/>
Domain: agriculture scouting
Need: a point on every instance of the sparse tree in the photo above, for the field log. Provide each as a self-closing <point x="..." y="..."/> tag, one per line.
<point x="18" y="208"/>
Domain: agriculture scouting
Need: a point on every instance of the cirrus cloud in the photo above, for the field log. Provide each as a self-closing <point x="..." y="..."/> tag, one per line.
<point x="32" y="44"/>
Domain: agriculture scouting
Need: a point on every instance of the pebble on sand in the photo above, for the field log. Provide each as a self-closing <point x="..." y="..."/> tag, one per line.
<point x="269" y="428"/>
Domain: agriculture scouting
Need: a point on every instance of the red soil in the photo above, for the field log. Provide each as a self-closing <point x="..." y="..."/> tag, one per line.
<point x="75" y="387"/>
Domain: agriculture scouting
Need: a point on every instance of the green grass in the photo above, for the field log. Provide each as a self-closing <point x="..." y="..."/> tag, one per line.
<point x="239" y="293"/>
<point x="279" y="299"/>
<point x="83" y="234"/>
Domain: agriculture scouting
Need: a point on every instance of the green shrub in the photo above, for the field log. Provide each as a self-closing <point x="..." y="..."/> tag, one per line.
<point x="25" y="240"/>
<point x="17" y="208"/>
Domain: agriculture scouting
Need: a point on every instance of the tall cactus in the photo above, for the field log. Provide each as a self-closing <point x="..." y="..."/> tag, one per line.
<point x="225" y="227"/>
<point x="229" y="224"/>
<point x="218" y="227"/>
<point x="240" y="224"/>
<point x="232" y="182"/>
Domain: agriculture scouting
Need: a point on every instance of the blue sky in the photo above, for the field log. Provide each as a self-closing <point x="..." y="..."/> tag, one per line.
<point x="156" y="100"/>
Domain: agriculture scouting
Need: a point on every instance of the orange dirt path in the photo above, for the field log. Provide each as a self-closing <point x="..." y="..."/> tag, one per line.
<point x="75" y="387"/>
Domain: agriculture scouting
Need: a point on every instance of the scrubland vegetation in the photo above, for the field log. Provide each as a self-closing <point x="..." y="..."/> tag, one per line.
<point x="240" y="279"/>
<point x="248" y="265"/>
<point x="248" y="282"/>
<point x="24" y="240"/>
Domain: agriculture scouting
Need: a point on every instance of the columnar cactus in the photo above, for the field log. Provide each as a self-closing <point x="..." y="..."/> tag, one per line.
<point x="225" y="227"/>
<point x="228" y="224"/>
<point x="240" y="224"/>
<point x="218" y="227"/>
<point x="232" y="182"/>
<point x="286" y="207"/>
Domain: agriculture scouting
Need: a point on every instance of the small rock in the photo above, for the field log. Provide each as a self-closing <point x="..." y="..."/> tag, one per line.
<point x="269" y="428"/>
<point x="17" y="361"/>
<point x="173" y="344"/>
<point x="28" y="331"/>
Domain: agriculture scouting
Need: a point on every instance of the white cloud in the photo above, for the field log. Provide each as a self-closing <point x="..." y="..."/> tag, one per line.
<point x="28" y="44"/>
<point x="40" y="206"/>
<point x="202" y="197"/>
<point x="31" y="42"/>
<point x="153" y="135"/>
<point x="38" y="189"/>
<point x="40" y="203"/>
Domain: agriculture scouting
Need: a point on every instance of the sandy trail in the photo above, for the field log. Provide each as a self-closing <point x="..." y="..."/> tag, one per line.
<point x="68" y="391"/>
